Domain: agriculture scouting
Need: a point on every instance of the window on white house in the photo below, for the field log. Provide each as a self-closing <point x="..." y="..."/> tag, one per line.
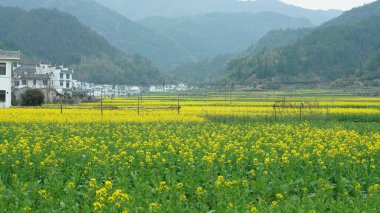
<point x="67" y="76"/>
<point x="34" y="82"/>
<point x="45" y="82"/>
<point x="23" y="82"/>
<point x="3" y="69"/>
<point x="61" y="75"/>
<point x="2" y="96"/>
<point x="67" y="85"/>
<point x="61" y="83"/>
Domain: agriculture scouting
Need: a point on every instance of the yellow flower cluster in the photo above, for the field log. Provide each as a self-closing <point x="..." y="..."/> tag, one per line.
<point x="105" y="196"/>
<point x="43" y="193"/>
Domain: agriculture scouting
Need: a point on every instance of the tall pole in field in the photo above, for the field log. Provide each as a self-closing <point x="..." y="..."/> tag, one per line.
<point x="178" y="106"/>
<point x="230" y="93"/>
<point x="61" y="106"/>
<point x="101" y="102"/>
<point x="138" y="104"/>
<point x="225" y="96"/>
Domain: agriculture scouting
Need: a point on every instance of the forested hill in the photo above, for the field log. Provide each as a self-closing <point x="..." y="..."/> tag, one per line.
<point x="281" y="38"/>
<point x="327" y="53"/>
<point x="61" y="39"/>
<point x="278" y="38"/>
<point x="205" y="71"/>
<point x="128" y="36"/>
<point x="215" y="69"/>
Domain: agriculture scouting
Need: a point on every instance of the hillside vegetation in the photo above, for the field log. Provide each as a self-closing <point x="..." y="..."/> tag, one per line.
<point x="216" y="69"/>
<point x="61" y="39"/>
<point x="278" y="38"/>
<point x="205" y="71"/>
<point x="345" y="47"/>
<point x="128" y="36"/>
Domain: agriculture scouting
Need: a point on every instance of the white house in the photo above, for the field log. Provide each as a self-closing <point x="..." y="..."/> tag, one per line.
<point x="121" y="90"/>
<point x="133" y="90"/>
<point x="44" y="76"/>
<point x="7" y="58"/>
<point x="62" y="79"/>
<point x="26" y="76"/>
<point x="182" y="87"/>
<point x="156" y="89"/>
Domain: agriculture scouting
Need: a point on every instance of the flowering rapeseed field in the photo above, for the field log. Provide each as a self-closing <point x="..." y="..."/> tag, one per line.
<point x="80" y="161"/>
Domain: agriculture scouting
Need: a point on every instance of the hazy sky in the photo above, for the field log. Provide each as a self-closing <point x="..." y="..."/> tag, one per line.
<point x="328" y="4"/>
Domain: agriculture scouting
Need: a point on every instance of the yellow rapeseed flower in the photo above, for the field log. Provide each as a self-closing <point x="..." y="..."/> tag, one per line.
<point x="279" y="196"/>
<point x="183" y="198"/>
<point x="274" y="203"/>
<point x="108" y="184"/>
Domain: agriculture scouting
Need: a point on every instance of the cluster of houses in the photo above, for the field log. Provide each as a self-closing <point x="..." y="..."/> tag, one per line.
<point x="57" y="81"/>
<point x="108" y="90"/>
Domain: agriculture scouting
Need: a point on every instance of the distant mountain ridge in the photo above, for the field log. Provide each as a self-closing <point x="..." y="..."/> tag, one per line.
<point x="141" y="9"/>
<point x="356" y="15"/>
<point x="61" y="39"/>
<point x="217" y="68"/>
<point x="280" y="38"/>
<point x="212" y="34"/>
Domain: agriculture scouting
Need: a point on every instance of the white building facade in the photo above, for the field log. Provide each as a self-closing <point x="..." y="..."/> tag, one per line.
<point x="61" y="79"/>
<point x="7" y="58"/>
<point x="44" y="76"/>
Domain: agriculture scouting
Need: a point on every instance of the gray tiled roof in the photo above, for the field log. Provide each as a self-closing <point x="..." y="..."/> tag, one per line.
<point x="32" y="76"/>
<point x="26" y="68"/>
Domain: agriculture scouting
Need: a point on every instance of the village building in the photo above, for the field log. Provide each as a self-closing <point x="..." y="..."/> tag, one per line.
<point x="7" y="59"/>
<point x="134" y="90"/>
<point x="121" y="91"/>
<point x="62" y="79"/>
<point x="168" y="88"/>
<point x="155" y="88"/>
<point x="53" y="81"/>
<point x="26" y="76"/>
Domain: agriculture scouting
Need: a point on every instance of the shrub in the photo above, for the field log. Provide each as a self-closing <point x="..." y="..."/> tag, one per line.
<point x="32" y="97"/>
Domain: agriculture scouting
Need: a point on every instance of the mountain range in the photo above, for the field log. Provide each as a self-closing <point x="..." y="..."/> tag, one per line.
<point x="345" y="47"/>
<point x="95" y="40"/>
<point x="208" y="35"/>
<point x="168" y="48"/>
<point x="50" y="35"/>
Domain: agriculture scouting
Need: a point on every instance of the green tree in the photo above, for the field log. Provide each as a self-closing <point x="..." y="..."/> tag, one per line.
<point x="32" y="97"/>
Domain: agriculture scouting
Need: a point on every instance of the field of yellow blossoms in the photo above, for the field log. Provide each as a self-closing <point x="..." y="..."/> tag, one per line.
<point x="162" y="161"/>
